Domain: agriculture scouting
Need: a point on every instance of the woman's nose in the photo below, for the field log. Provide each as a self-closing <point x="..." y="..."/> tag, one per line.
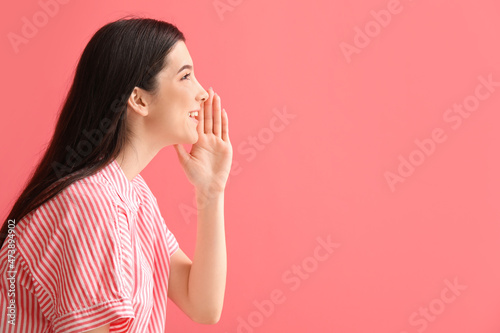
<point x="205" y="96"/>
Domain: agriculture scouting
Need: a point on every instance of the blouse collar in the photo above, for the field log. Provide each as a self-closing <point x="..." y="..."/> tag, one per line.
<point x="126" y="189"/>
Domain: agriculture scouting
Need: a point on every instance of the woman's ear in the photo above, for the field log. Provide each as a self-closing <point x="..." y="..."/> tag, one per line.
<point x="138" y="101"/>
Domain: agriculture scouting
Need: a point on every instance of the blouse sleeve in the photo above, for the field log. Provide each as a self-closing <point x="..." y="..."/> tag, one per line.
<point x="77" y="264"/>
<point x="172" y="244"/>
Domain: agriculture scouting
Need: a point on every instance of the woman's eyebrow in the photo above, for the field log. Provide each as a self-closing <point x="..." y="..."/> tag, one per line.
<point x="185" y="67"/>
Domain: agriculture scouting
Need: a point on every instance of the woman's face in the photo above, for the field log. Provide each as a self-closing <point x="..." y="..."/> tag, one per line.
<point x="167" y="121"/>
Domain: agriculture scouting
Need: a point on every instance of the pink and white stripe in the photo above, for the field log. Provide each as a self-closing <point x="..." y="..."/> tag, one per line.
<point x="98" y="252"/>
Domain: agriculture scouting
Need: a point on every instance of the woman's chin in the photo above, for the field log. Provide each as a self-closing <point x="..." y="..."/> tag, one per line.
<point x="193" y="133"/>
<point x="186" y="140"/>
<point x="193" y="138"/>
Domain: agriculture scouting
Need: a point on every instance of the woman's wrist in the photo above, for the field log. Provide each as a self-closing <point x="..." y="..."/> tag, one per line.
<point x="208" y="195"/>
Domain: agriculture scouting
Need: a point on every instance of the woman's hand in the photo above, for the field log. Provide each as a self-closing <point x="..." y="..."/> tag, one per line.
<point x="208" y="164"/>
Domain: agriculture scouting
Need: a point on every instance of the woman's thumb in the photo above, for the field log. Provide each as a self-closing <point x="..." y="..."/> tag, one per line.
<point x="182" y="154"/>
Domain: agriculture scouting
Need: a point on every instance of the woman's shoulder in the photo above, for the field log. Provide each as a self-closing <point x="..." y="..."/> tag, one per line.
<point x="94" y="188"/>
<point x="88" y="198"/>
<point x="76" y="215"/>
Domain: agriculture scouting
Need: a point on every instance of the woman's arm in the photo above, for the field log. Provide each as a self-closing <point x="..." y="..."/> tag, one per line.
<point x="198" y="287"/>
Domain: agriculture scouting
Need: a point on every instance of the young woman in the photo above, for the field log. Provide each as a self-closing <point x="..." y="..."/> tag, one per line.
<point x="85" y="247"/>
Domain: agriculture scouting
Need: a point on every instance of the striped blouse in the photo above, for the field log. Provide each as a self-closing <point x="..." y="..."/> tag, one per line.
<point x="98" y="252"/>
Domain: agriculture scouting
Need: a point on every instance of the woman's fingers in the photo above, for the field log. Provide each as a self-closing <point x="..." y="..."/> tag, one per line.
<point x="217" y="115"/>
<point x="213" y="118"/>
<point x="201" y="120"/>
<point x="208" y="111"/>
<point x="225" y="126"/>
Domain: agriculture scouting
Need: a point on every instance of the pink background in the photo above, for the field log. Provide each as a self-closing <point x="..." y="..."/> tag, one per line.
<point x="323" y="173"/>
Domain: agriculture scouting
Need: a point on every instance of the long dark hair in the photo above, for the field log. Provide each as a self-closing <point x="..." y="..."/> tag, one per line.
<point x="91" y="129"/>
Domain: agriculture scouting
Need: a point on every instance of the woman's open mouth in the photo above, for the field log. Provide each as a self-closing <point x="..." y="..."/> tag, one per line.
<point x="193" y="115"/>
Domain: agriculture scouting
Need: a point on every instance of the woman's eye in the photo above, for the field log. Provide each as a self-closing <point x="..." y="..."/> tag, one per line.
<point x="186" y="76"/>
